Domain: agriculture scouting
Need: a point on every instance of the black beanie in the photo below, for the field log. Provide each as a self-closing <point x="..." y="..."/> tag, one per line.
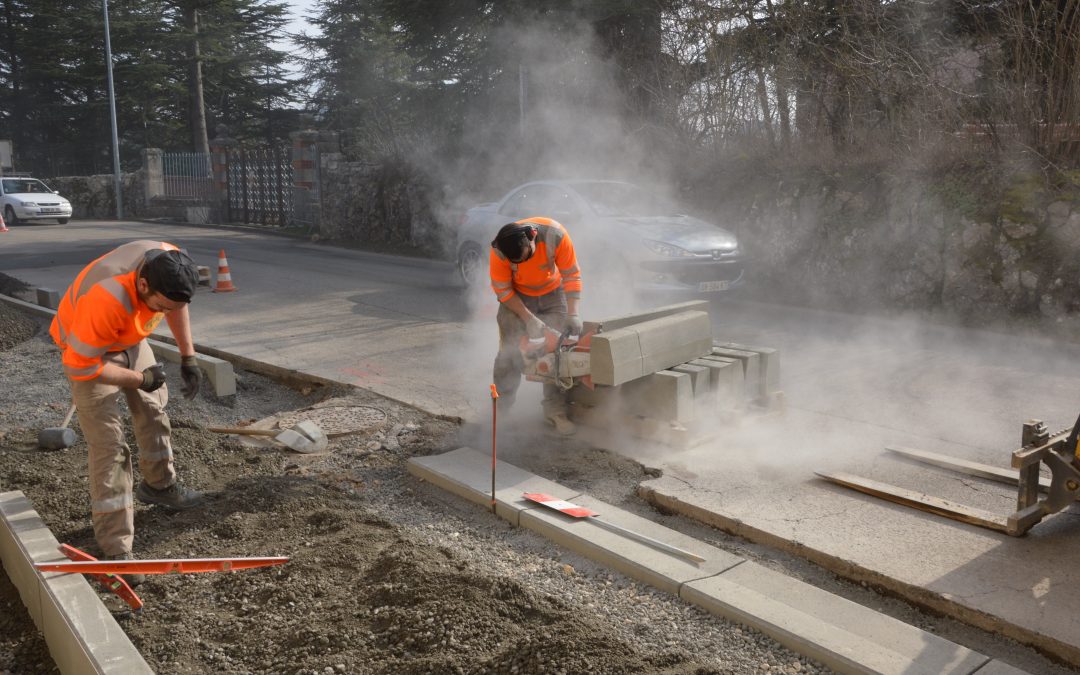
<point x="512" y="240"/>
<point x="171" y="273"/>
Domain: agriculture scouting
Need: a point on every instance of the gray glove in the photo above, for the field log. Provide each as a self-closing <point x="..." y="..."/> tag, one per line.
<point x="573" y="324"/>
<point x="535" y="328"/>
<point x="153" y="377"/>
<point x="192" y="376"/>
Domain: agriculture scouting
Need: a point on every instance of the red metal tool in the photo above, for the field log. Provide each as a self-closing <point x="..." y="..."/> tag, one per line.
<point x="112" y="582"/>
<point x="183" y="565"/>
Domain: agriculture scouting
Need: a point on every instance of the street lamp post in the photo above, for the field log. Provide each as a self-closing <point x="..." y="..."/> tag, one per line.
<point x="112" y="115"/>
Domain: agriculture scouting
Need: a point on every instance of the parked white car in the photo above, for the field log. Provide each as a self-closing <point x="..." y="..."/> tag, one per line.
<point x="30" y="199"/>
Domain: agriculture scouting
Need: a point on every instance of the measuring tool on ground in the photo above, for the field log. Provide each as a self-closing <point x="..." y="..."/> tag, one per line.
<point x="575" y="511"/>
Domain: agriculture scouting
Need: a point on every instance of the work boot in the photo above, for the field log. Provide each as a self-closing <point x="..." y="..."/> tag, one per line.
<point x="562" y="424"/>
<point x="132" y="580"/>
<point x="175" y="497"/>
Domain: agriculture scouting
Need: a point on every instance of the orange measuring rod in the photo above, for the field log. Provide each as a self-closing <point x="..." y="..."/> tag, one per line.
<point x="110" y="581"/>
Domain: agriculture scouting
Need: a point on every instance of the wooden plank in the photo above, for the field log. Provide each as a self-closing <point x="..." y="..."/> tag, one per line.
<point x="1007" y="476"/>
<point x="918" y="500"/>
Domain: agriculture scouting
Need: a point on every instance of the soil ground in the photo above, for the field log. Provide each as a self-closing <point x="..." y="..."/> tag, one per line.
<point x="387" y="574"/>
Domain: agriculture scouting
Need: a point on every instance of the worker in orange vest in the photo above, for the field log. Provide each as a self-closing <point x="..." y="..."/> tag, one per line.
<point x="535" y="275"/>
<point x="101" y="327"/>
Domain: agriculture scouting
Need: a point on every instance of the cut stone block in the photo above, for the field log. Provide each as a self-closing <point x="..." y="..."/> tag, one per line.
<point x="625" y="320"/>
<point x="47" y="297"/>
<point x="204" y="275"/>
<point x="671" y="340"/>
<point x="616" y="357"/>
<point x="665" y="395"/>
<point x="845" y="636"/>
<point x="467" y="473"/>
<point x="751" y="362"/>
<point x="219" y="372"/>
<point x="769" y="363"/>
<point x="726" y="379"/>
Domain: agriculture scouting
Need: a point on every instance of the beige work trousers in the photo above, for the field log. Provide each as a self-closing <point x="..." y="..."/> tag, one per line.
<point x="111" y="476"/>
<point x="509" y="364"/>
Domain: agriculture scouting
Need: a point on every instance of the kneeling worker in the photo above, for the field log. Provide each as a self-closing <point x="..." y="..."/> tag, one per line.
<point x="535" y="276"/>
<point x="101" y="327"/>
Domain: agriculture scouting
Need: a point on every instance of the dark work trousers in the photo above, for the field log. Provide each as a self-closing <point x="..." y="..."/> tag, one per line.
<point x="509" y="364"/>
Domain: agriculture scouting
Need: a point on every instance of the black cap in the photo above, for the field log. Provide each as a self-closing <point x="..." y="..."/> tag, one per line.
<point x="171" y="273"/>
<point x="512" y="240"/>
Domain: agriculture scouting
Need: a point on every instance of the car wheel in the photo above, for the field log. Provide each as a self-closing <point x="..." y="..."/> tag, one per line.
<point x="9" y="216"/>
<point x="471" y="264"/>
<point x="62" y="221"/>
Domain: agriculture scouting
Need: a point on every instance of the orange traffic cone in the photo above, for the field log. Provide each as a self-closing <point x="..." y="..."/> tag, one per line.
<point x="3" y="227"/>
<point x="224" y="279"/>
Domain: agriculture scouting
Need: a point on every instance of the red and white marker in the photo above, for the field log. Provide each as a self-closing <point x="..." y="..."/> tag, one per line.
<point x="575" y="511"/>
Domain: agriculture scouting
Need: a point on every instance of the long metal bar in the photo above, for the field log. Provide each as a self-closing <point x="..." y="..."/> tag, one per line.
<point x="918" y="500"/>
<point x="637" y="536"/>
<point x="1007" y="476"/>
<point x="184" y="565"/>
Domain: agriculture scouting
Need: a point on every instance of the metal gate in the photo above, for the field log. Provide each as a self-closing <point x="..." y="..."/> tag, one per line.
<point x="260" y="186"/>
<point x="187" y="175"/>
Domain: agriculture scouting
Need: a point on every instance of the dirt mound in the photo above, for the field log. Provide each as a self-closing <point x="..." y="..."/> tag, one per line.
<point x="15" y="326"/>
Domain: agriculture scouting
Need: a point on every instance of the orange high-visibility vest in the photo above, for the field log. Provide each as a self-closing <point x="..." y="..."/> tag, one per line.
<point x="553" y="265"/>
<point x="101" y="311"/>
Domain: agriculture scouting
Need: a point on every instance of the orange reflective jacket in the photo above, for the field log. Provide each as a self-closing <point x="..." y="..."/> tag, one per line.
<point x="552" y="265"/>
<point x="101" y="312"/>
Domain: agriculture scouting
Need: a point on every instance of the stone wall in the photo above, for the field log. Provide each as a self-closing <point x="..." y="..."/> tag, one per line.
<point x="385" y="206"/>
<point x="898" y="244"/>
<point x="95" y="197"/>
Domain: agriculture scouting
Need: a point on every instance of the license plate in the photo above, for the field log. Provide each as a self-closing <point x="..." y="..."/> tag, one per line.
<point x="708" y="286"/>
<point x="48" y="210"/>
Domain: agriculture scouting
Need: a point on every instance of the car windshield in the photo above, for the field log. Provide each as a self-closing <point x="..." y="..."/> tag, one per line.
<point x="624" y="199"/>
<point x="13" y="185"/>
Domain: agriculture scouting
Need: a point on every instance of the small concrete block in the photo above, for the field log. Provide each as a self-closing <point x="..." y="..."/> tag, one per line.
<point x="699" y="379"/>
<point x="662" y="569"/>
<point x="615" y="357"/>
<point x="204" y="275"/>
<point x="843" y="635"/>
<point x="219" y="372"/>
<point x="624" y="320"/>
<point x="47" y="297"/>
<point x="751" y="362"/>
<point x="665" y="395"/>
<point x="467" y="473"/>
<point x="672" y="340"/>
<point x="769" y="364"/>
<point x="726" y="378"/>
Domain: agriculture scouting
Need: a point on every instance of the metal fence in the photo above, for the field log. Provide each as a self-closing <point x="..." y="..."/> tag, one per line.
<point x="187" y="175"/>
<point x="260" y="186"/>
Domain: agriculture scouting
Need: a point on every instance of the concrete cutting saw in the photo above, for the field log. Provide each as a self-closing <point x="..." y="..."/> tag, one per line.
<point x="559" y="359"/>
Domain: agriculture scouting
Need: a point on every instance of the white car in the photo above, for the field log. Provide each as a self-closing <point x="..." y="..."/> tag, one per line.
<point x="622" y="234"/>
<point x="30" y="199"/>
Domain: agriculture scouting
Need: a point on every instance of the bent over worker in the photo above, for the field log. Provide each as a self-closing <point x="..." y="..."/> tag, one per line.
<point x="101" y="327"/>
<point x="535" y="276"/>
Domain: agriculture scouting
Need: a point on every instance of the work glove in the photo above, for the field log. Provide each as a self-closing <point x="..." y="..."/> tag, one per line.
<point x="153" y="377"/>
<point x="192" y="376"/>
<point x="535" y="328"/>
<point x="573" y="324"/>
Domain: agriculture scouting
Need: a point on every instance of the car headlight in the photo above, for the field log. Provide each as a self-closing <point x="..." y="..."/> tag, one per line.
<point x="25" y="204"/>
<point x="666" y="250"/>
